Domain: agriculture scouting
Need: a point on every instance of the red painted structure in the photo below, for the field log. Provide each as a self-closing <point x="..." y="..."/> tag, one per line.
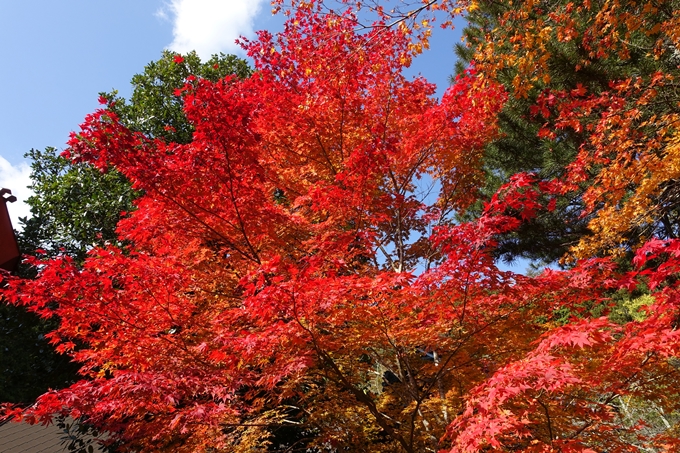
<point x="9" y="249"/>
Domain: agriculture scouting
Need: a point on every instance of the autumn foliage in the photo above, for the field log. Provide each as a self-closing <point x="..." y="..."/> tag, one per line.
<point x="295" y="278"/>
<point x="621" y="105"/>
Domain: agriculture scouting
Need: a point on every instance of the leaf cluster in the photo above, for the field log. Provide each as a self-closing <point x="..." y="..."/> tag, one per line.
<point x="76" y="207"/>
<point x="556" y="51"/>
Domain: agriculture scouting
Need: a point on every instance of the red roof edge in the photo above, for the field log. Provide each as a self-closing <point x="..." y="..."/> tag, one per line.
<point x="10" y="256"/>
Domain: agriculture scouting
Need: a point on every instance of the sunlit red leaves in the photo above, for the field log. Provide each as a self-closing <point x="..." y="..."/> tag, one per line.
<point x="271" y="262"/>
<point x="252" y="253"/>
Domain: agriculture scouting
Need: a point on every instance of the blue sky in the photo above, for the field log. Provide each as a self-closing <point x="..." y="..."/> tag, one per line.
<point x="57" y="57"/>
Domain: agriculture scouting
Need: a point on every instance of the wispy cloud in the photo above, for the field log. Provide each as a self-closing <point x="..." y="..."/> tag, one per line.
<point x="16" y="178"/>
<point x="209" y="26"/>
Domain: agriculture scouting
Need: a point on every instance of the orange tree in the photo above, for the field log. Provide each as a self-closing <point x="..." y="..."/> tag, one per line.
<point x="593" y="89"/>
<point x="296" y="265"/>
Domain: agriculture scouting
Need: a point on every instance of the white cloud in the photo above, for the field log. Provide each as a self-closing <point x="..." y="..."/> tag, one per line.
<point x="210" y="26"/>
<point x="16" y="178"/>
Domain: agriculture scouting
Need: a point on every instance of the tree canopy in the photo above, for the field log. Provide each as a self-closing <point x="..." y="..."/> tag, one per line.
<point x="76" y="207"/>
<point x="593" y="100"/>
<point x="296" y="278"/>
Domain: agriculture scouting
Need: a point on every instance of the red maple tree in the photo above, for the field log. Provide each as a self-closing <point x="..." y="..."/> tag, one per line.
<point x="298" y="266"/>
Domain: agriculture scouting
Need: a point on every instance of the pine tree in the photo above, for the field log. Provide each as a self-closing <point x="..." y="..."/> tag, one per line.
<point x="549" y="48"/>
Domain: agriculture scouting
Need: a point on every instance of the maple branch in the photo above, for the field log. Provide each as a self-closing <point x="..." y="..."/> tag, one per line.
<point x="282" y="423"/>
<point x="402" y="18"/>
<point x="419" y="395"/>
<point x="387" y="256"/>
<point x="331" y="167"/>
<point x="613" y="394"/>
<point x="182" y="339"/>
<point x="547" y="416"/>
<point x="362" y="397"/>
<point x="400" y="241"/>
<point x="236" y="209"/>
<point x="382" y="419"/>
<point x="342" y="127"/>
<point x="205" y="224"/>
<point x="440" y="385"/>
<point x="297" y="442"/>
<point x="467" y="289"/>
<point x="462" y="341"/>
<point x="286" y="147"/>
<point x="398" y="351"/>
<point x="212" y="213"/>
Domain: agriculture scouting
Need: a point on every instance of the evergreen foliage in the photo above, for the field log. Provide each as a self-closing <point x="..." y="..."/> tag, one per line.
<point x="569" y="65"/>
